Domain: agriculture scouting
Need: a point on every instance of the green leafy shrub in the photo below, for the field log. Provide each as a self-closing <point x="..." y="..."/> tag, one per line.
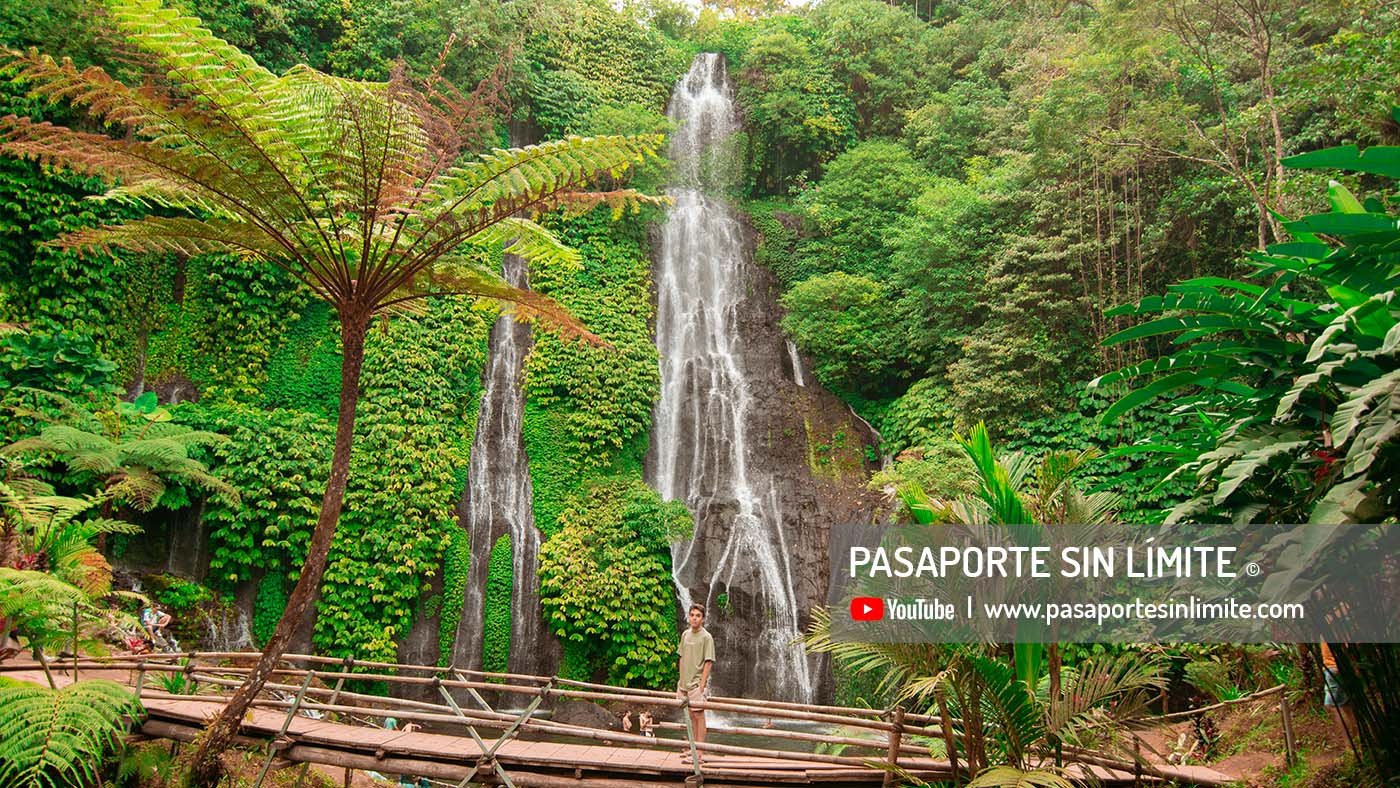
<point x="455" y="565"/>
<point x="64" y="362"/>
<point x="605" y="582"/>
<point x="268" y="603"/>
<point x="277" y="461"/>
<point x="861" y="196"/>
<point x="846" y="324"/>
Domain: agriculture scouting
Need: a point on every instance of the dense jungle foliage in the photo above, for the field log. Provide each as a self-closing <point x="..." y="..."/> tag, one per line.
<point x="971" y="208"/>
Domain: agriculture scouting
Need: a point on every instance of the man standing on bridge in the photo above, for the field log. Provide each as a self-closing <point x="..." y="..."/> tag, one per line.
<point x="697" y="655"/>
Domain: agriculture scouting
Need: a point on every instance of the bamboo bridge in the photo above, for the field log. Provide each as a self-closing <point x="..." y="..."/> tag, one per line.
<point x="306" y="715"/>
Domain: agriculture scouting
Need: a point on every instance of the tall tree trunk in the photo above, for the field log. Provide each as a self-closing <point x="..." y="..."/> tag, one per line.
<point x="204" y="763"/>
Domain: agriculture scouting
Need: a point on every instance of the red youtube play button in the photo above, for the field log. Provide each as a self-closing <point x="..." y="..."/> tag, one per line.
<point x="867" y="608"/>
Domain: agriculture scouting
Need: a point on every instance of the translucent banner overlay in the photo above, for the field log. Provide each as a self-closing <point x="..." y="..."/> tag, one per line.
<point x="1116" y="584"/>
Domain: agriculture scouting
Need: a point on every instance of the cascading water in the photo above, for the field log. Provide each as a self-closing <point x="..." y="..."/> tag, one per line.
<point x="499" y="499"/>
<point x="797" y="376"/>
<point x="700" y="451"/>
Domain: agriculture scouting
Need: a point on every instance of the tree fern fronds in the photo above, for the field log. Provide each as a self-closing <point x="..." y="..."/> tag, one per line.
<point x="253" y="195"/>
<point x="237" y="90"/>
<point x="69" y="440"/>
<point x="543" y="170"/>
<point x="52" y="738"/>
<point x="527" y="239"/>
<point x="619" y="200"/>
<point x="78" y="563"/>
<point x="36" y="600"/>
<point x="464" y="277"/>
<point x="175" y="234"/>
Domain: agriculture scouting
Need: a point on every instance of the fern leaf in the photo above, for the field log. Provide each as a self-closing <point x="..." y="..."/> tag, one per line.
<point x="59" y="737"/>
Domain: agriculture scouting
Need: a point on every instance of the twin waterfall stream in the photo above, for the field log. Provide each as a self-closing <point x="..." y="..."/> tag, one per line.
<point x="701" y="430"/>
<point x="703" y="436"/>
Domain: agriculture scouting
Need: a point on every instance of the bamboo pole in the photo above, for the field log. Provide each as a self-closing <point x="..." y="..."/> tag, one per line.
<point x="1290" y="747"/>
<point x="1203" y="709"/>
<point x="286" y="723"/>
<point x="897" y="718"/>
<point x="779" y="733"/>
<point x="711" y="705"/>
<point x="660" y="695"/>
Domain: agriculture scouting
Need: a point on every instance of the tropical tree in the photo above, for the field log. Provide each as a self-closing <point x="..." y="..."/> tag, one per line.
<point x="1293" y="379"/>
<point x="368" y="193"/>
<point x="1293" y="385"/>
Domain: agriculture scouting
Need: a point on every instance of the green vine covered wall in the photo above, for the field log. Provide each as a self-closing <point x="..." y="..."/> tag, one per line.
<point x="586" y="429"/>
<point x="420" y="390"/>
<point x="495" y="625"/>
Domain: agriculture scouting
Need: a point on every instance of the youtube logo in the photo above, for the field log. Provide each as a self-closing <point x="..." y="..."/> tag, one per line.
<point x="867" y="608"/>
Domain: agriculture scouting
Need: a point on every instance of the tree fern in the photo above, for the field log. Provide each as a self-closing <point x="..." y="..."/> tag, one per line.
<point x="51" y="738"/>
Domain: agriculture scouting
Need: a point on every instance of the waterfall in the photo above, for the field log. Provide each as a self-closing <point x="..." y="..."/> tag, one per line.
<point x="796" y="360"/>
<point x="228" y="630"/>
<point x="499" y="498"/>
<point x="700" y="451"/>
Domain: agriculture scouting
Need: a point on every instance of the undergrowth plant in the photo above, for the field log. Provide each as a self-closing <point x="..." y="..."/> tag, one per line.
<point x="57" y="738"/>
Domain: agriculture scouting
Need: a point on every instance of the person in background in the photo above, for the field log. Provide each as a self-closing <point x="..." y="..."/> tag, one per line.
<point x="696" y="654"/>
<point x="1333" y="697"/>
<point x="154" y="621"/>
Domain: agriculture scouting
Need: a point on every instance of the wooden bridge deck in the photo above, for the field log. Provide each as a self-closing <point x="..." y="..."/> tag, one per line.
<point x="532" y="763"/>
<point x="529" y="763"/>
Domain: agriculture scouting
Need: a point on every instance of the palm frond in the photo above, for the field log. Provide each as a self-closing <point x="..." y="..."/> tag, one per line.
<point x="1008" y="705"/>
<point x="1101" y="689"/>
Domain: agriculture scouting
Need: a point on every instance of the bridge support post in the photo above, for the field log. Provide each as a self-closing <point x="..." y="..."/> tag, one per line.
<point x="349" y="664"/>
<point x="286" y="723"/>
<point x="896" y="735"/>
<point x="487" y="762"/>
<point x="697" y="778"/>
<point x="1290" y="748"/>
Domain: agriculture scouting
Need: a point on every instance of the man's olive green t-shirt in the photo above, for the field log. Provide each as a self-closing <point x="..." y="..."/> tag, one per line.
<point x="696" y="649"/>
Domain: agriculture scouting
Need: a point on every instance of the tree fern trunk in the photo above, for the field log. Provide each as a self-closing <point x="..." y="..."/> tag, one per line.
<point x="204" y="763"/>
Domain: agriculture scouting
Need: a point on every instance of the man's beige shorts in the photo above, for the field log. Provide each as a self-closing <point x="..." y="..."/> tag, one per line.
<point x="696" y="695"/>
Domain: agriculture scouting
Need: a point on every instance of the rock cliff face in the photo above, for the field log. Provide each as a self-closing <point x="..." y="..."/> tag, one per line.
<point x="767" y="461"/>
